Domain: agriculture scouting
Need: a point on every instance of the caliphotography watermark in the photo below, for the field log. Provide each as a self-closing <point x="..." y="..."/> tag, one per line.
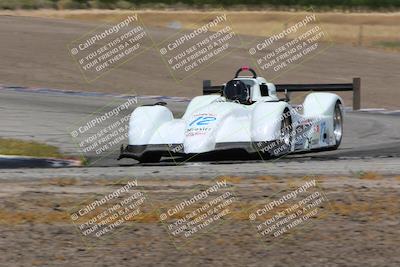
<point x="190" y="51"/>
<point x="301" y="39"/>
<point x="305" y="133"/>
<point x="191" y="217"/>
<point x="289" y="211"/>
<point x="104" y="131"/>
<point x="99" y="217"/>
<point x="108" y="46"/>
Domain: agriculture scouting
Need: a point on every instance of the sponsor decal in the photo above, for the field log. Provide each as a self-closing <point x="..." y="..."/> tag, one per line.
<point x="200" y="124"/>
<point x="202" y="121"/>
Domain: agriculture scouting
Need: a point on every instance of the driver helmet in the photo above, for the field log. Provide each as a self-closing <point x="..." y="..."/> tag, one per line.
<point x="237" y="90"/>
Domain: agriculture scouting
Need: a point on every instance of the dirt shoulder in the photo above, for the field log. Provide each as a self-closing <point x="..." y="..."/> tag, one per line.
<point x="343" y="27"/>
<point x="34" y="53"/>
<point x="358" y="228"/>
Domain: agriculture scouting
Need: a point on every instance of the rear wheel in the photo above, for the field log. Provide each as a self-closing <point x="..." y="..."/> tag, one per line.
<point x="338" y="124"/>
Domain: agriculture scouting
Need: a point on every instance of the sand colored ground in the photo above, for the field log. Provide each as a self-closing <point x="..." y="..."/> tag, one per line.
<point x="34" y="53"/>
<point x="378" y="30"/>
<point x="359" y="228"/>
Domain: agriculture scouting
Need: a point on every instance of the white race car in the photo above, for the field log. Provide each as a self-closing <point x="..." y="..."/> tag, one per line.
<point x="244" y="115"/>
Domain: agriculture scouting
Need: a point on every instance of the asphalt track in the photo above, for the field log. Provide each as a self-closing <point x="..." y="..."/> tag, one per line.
<point x="360" y="228"/>
<point x="371" y="141"/>
<point x="46" y="116"/>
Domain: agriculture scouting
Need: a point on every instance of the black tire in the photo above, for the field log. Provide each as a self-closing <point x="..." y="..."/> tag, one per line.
<point x="150" y="158"/>
<point x="283" y="144"/>
<point x="337" y="124"/>
<point x="286" y="132"/>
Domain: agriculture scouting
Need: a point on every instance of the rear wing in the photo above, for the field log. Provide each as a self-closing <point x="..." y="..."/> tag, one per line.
<point x="209" y="89"/>
<point x="355" y="86"/>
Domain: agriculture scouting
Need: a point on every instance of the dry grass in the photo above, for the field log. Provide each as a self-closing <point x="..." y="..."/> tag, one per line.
<point x="367" y="29"/>
<point x="267" y="178"/>
<point x="53" y="208"/>
<point x="292" y="184"/>
<point x="376" y="210"/>
<point x="13" y="217"/>
<point x="10" y="146"/>
<point x="370" y="176"/>
<point x="231" y="179"/>
<point x="371" y="210"/>
<point x="61" y="181"/>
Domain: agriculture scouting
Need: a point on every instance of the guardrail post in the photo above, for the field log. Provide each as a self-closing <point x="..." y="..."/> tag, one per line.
<point x="356" y="93"/>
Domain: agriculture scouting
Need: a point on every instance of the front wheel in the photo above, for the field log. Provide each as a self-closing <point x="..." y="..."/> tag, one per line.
<point x="150" y="158"/>
<point x="283" y="144"/>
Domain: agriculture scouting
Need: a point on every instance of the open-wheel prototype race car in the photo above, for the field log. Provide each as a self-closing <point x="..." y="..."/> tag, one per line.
<point x="243" y="115"/>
